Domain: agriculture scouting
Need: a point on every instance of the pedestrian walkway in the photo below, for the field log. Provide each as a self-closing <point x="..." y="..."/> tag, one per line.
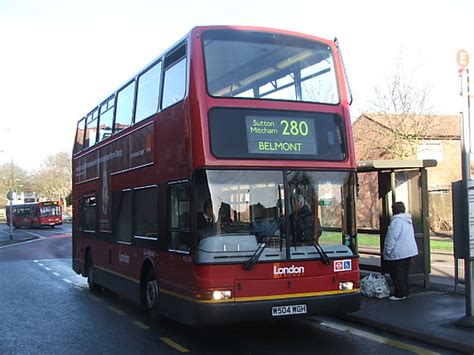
<point x="18" y="235"/>
<point x="429" y="316"/>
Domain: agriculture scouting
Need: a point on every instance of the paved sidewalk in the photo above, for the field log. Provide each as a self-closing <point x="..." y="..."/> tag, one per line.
<point x="18" y="235"/>
<point x="427" y="315"/>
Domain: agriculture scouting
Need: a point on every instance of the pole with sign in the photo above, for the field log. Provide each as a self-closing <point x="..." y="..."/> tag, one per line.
<point x="467" y="199"/>
<point x="11" y="195"/>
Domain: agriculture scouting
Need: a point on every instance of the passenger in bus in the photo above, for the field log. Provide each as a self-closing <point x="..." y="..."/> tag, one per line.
<point x="205" y="219"/>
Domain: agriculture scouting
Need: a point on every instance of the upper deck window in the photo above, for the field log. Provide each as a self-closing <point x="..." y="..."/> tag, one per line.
<point x="174" y="86"/>
<point x="106" y="119"/>
<point x="91" y="131"/>
<point x="124" y="114"/>
<point x="80" y="135"/>
<point x="269" y="66"/>
<point x="148" y="92"/>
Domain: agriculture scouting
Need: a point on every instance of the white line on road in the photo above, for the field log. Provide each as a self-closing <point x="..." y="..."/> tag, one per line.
<point x="40" y="264"/>
<point x="21" y="243"/>
<point x="34" y="234"/>
<point x="56" y="274"/>
<point x="47" y="268"/>
<point x="377" y="338"/>
<point x="68" y="281"/>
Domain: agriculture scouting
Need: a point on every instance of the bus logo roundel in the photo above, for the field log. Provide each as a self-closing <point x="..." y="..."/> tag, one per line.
<point x="342" y="265"/>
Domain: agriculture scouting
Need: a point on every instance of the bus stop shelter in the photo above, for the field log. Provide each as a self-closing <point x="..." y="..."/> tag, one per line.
<point x="398" y="180"/>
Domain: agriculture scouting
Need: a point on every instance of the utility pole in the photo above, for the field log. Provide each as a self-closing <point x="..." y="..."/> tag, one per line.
<point x="467" y="189"/>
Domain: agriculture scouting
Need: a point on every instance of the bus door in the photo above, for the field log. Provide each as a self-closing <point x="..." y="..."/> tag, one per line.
<point x="178" y="261"/>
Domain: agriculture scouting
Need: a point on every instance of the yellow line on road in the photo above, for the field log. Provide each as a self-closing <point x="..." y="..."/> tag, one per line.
<point x="116" y="310"/>
<point x="141" y="325"/>
<point x="174" y="345"/>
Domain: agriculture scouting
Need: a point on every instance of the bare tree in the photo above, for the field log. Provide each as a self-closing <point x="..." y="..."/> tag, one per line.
<point x="12" y="178"/>
<point x="53" y="180"/>
<point x="403" y="114"/>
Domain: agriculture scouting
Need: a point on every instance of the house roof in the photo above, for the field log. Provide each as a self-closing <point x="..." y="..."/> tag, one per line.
<point x="444" y="127"/>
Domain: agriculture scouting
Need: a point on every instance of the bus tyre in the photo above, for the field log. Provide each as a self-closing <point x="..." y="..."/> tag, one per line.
<point x="151" y="294"/>
<point x="90" y="277"/>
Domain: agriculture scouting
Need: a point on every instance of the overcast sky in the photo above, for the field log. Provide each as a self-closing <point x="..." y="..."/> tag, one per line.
<point x="60" y="58"/>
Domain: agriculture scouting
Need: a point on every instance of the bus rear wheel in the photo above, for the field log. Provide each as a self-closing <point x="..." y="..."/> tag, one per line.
<point x="90" y="276"/>
<point x="151" y="294"/>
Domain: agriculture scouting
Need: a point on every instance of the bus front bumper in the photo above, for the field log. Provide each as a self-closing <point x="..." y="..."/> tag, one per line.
<point x="198" y="313"/>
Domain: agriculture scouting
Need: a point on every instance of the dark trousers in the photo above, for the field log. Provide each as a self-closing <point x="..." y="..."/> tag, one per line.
<point x="399" y="271"/>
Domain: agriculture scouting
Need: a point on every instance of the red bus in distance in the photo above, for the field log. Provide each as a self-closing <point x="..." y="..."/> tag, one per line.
<point x="217" y="184"/>
<point x="35" y="214"/>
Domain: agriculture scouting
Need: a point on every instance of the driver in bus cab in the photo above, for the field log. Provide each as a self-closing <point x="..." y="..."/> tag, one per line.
<point x="302" y="221"/>
<point x="205" y="219"/>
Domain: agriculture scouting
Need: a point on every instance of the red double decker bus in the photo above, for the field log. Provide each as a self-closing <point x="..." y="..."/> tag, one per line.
<point x="217" y="184"/>
<point x="35" y="214"/>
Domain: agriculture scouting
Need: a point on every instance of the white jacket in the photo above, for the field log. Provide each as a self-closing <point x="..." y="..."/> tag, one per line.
<point x="400" y="239"/>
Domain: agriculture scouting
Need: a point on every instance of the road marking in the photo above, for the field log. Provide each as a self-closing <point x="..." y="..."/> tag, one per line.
<point x="68" y="281"/>
<point x="95" y="298"/>
<point x="35" y="235"/>
<point x="20" y="243"/>
<point x="40" y="264"/>
<point x="56" y="274"/>
<point x="377" y="338"/>
<point x="47" y="268"/>
<point x="35" y="261"/>
<point x="174" y="345"/>
<point x="116" y="310"/>
<point x="141" y="325"/>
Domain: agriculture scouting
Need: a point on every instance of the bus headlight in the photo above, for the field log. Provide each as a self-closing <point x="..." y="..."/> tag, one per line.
<point x="346" y="286"/>
<point x="221" y="295"/>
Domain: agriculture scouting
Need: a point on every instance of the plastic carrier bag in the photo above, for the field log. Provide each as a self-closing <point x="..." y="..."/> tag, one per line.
<point x="375" y="285"/>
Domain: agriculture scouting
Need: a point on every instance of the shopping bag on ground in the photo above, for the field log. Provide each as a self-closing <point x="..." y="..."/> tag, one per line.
<point x="375" y="285"/>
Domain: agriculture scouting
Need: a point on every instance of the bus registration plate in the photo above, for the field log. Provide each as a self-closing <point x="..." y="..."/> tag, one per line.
<point x="288" y="310"/>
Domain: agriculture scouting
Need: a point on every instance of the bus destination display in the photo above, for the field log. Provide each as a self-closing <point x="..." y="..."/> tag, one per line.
<point x="280" y="135"/>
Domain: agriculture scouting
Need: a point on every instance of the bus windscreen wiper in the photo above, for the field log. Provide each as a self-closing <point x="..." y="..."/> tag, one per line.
<point x="250" y="263"/>
<point x="322" y="254"/>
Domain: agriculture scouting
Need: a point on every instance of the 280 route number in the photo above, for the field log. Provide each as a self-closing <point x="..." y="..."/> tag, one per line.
<point x="294" y="128"/>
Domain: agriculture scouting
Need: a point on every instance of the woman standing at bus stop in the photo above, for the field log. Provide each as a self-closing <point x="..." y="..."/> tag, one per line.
<point x="399" y="248"/>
